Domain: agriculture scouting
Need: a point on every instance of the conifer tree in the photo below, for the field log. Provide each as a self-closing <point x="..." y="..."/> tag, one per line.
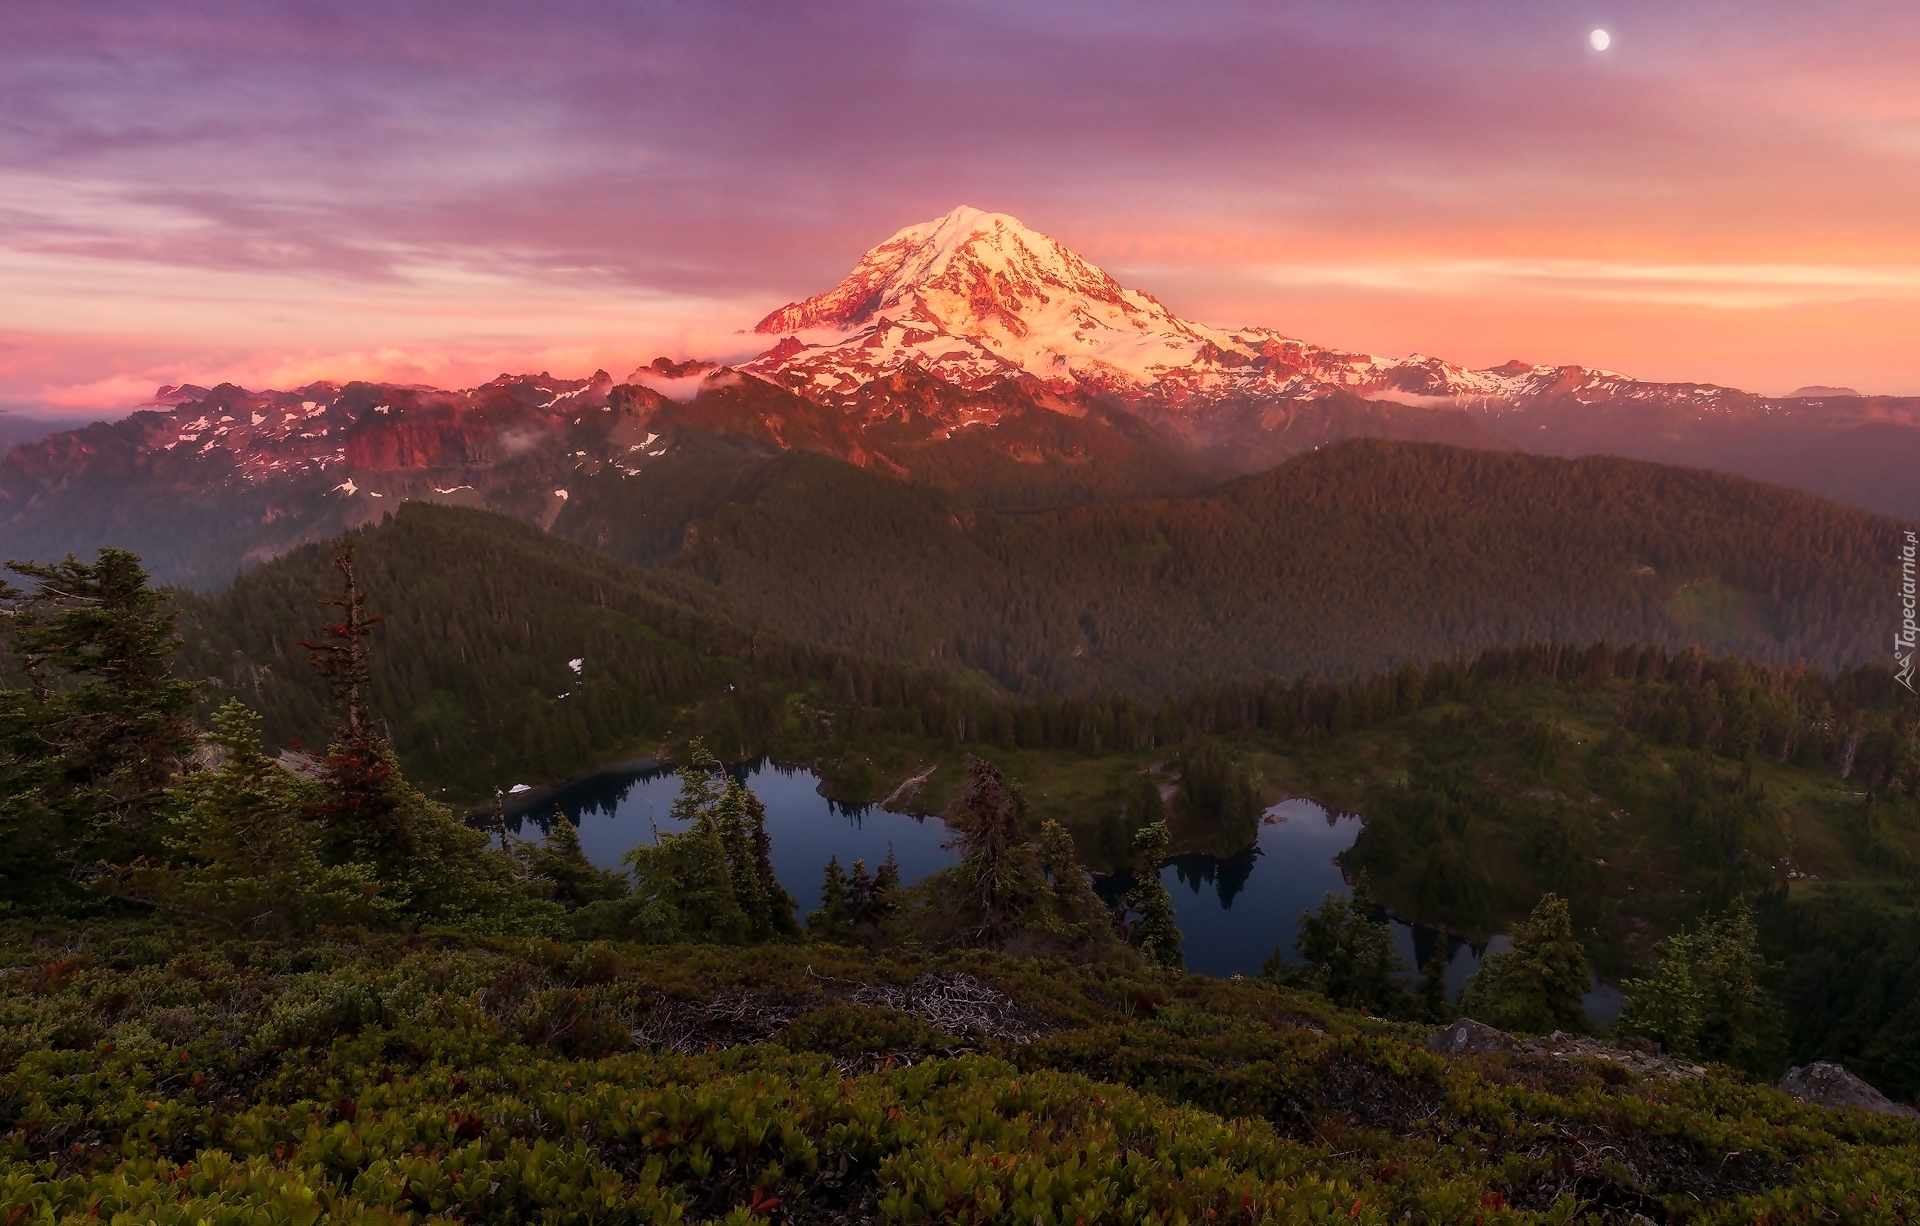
<point x="365" y="804"/>
<point x="886" y="888"/>
<point x="88" y="747"/>
<point x="997" y="864"/>
<point x="1077" y="910"/>
<point x="779" y="903"/>
<point x="832" y="921"/>
<point x="1154" y="931"/>
<point x="683" y="883"/>
<point x="860" y="894"/>
<point x="245" y="853"/>
<point x="572" y="878"/>
<point x="733" y="817"/>
<point x="700" y="786"/>
<point x="1350" y="954"/>
<point x="1538" y="984"/>
<point x="1665" y="1006"/>
<point x="428" y="863"/>
<point x="341" y="653"/>
<point x="1706" y="999"/>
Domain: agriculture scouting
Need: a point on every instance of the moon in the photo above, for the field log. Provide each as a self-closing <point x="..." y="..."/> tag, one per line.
<point x="1600" y="39"/>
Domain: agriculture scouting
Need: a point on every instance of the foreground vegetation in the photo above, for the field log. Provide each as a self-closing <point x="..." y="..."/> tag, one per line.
<point x="154" y="1074"/>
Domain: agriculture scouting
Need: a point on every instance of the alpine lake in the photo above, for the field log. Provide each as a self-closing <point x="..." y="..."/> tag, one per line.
<point x="1233" y="912"/>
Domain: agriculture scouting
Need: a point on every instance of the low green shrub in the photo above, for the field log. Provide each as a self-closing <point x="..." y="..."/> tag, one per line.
<point x="160" y="1075"/>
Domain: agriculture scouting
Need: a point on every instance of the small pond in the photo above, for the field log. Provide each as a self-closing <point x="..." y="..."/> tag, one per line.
<point x="1234" y="912"/>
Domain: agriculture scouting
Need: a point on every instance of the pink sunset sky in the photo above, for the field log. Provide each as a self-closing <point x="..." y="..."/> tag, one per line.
<point x="440" y="192"/>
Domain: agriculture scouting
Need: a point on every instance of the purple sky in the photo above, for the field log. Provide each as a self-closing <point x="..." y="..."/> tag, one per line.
<point x="276" y="192"/>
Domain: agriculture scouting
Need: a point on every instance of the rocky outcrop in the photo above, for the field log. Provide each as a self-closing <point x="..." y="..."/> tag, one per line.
<point x="1467" y="1037"/>
<point x="1824" y="1084"/>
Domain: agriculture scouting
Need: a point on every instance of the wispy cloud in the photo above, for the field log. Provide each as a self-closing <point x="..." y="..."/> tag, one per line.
<point x="213" y="179"/>
<point x="1716" y="286"/>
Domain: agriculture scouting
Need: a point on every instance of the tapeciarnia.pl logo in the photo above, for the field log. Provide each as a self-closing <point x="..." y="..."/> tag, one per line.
<point x="1903" y="639"/>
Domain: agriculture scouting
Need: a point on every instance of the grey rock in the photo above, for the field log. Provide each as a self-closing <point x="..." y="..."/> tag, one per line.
<point x="1636" y="1056"/>
<point x="1467" y="1037"/>
<point x="1831" y="1085"/>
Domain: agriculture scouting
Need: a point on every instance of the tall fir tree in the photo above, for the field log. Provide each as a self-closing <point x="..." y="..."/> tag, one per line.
<point x="997" y="865"/>
<point x="683" y="882"/>
<point x="733" y="817"/>
<point x="1153" y="930"/>
<point x="88" y="747"/>
<point x="779" y="903"/>
<point x="832" y="922"/>
<point x="428" y="864"/>
<point x="1541" y="980"/>
<point x="365" y="807"/>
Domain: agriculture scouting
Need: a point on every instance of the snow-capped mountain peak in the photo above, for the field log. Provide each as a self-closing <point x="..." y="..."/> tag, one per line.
<point x="977" y="298"/>
<point x="971" y="272"/>
<point x="979" y="295"/>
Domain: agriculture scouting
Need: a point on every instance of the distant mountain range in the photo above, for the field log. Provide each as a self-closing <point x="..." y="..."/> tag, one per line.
<point x="969" y="352"/>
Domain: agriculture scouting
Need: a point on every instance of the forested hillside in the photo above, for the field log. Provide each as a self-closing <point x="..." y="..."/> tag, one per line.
<point x="504" y="654"/>
<point x="1357" y="557"/>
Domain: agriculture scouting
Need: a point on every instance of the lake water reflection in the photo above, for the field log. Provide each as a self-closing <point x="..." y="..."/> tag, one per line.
<point x="1233" y="912"/>
<point x="616" y="810"/>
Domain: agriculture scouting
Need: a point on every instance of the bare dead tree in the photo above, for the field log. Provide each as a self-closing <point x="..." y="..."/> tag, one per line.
<point x="341" y="654"/>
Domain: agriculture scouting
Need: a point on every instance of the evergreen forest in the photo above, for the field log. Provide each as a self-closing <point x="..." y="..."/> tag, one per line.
<point x="1345" y="561"/>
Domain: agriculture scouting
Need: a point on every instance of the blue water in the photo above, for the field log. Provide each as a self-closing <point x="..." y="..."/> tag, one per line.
<point x="613" y="813"/>
<point x="1234" y="913"/>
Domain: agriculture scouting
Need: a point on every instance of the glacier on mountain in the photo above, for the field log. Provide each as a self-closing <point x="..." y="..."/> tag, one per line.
<point x="976" y="297"/>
